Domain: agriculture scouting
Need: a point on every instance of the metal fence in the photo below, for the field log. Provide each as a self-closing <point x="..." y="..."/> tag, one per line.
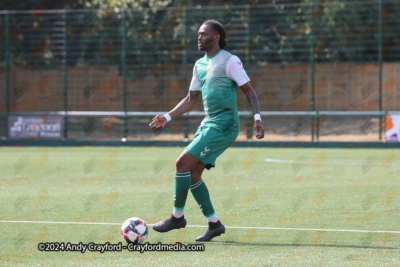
<point x="323" y="71"/>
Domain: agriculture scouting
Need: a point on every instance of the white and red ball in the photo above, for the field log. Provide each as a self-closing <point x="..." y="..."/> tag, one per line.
<point x="134" y="230"/>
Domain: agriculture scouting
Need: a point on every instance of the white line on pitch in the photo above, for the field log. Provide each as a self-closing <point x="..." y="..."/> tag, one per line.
<point x="328" y="162"/>
<point x="230" y="227"/>
<point x="48" y="222"/>
<point x="322" y="230"/>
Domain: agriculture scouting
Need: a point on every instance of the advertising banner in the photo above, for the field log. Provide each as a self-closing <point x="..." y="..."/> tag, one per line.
<point x="36" y="127"/>
<point x="392" y="128"/>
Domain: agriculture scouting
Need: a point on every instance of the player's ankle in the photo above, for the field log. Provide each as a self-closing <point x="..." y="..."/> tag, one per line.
<point x="215" y="225"/>
<point x="177" y="220"/>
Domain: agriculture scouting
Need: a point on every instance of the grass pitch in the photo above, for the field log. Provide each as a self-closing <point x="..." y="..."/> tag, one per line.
<point x="282" y="207"/>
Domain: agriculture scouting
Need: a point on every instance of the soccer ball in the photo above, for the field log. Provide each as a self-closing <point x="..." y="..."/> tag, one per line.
<point x="134" y="230"/>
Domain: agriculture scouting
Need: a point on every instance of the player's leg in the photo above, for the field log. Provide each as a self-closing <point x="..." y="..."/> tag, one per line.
<point x="201" y="153"/>
<point x="187" y="170"/>
<point x="202" y="197"/>
<point x="183" y="179"/>
<point x="213" y="143"/>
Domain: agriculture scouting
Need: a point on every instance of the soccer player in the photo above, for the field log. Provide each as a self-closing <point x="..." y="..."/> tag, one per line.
<point x="216" y="76"/>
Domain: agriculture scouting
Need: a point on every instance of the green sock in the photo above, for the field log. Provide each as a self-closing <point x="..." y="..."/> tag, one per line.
<point x="182" y="184"/>
<point x="200" y="193"/>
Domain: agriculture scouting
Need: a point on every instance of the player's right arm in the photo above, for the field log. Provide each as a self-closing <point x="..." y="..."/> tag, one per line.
<point x="184" y="106"/>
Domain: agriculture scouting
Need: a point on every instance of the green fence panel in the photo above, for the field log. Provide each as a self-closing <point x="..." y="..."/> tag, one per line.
<point x="108" y="72"/>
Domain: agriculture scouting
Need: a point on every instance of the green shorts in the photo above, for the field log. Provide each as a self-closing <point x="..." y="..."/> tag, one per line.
<point x="209" y="143"/>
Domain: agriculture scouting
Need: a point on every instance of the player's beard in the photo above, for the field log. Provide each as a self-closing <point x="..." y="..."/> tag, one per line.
<point x="206" y="45"/>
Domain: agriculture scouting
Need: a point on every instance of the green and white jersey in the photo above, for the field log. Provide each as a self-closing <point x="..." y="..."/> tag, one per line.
<point x="217" y="78"/>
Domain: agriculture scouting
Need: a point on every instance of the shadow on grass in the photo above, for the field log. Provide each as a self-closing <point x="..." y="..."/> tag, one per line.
<point x="236" y="243"/>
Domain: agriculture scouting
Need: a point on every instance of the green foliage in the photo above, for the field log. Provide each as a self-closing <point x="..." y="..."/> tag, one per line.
<point x="165" y="32"/>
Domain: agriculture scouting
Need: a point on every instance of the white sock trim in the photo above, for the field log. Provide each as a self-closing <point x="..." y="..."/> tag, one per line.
<point x="177" y="213"/>
<point x="194" y="186"/>
<point x="213" y="218"/>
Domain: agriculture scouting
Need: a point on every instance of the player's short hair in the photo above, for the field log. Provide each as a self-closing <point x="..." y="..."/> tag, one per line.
<point x="217" y="26"/>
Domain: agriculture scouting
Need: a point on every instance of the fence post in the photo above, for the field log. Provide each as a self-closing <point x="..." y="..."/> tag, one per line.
<point x="250" y="119"/>
<point x="123" y="57"/>
<point x="314" y="118"/>
<point x="65" y="74"/>
<point x="380" y="67"/>
<point x="7" y="58"/>
<point x="184" y="63"/>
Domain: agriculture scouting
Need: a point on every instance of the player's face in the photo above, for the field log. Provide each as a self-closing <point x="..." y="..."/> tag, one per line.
<point x="207" y="38"/>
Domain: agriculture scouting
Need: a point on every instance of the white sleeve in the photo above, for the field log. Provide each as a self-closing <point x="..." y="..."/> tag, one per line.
<point x="195" y="84"/>
<point x="235" y="71"/>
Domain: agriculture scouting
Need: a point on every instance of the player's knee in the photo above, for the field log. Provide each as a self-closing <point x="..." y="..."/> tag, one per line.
<point x="180" y="165"/>
<point x="196" y="177"/>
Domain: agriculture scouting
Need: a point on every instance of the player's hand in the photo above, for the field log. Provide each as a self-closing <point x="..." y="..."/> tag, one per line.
<point x="158" y="122"/>
<point x="259" y="129"/>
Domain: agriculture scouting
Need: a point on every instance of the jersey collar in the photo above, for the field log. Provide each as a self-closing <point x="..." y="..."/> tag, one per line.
<point x="215" y="54"/>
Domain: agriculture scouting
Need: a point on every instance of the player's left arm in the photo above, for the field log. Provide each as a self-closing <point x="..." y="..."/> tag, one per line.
<point x="255" y="107"/>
